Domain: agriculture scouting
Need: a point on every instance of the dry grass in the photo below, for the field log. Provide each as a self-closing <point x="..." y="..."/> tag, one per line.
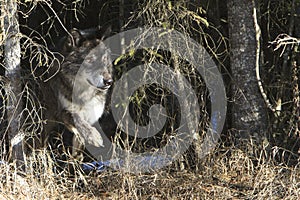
<point x="229" y="175"/>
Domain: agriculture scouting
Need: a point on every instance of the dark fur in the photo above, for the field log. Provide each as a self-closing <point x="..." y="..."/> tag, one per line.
<point x="94" y="81"/>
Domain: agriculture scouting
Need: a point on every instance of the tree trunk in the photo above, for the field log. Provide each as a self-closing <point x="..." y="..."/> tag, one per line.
<point x="12" y="53"/>
<point x="296" y="72"/>
<point x="249" y="114"/>
<point x="297" y="19"/>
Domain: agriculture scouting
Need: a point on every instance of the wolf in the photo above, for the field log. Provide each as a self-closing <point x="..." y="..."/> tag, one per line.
<point x="76" y="95"/>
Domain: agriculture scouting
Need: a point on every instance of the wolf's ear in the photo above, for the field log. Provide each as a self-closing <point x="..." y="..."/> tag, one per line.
<point x="72" y="40"/>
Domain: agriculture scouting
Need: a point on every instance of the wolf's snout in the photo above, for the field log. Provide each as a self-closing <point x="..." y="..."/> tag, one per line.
<point x="108" y="82"/>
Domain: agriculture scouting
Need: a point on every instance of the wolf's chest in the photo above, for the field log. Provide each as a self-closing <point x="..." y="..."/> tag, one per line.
<point x="90" y="110"/>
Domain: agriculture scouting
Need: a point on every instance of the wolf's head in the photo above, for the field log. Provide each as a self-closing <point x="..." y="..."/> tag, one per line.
<point x="92" y="60"/>
<point x="96" y="69"/>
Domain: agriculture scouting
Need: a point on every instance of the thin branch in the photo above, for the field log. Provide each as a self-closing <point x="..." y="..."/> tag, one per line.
<point x="257" y="63"/>
<point x="283" y="40"/>
<point x="60" y="22"/>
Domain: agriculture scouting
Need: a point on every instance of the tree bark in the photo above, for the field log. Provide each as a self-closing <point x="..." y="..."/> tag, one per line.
<point x="249" y="114"/>
<point x="12" y="56"/>
<point x="297" y="19"/>
<point x="296" y="72"/>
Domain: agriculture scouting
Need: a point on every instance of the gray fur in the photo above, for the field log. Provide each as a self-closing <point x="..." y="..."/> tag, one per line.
<point x="79" y="104"/>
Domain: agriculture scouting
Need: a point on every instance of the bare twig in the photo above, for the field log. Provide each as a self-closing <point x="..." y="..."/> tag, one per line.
<point x="257" y="63"/>
<point x="283" y="40"/>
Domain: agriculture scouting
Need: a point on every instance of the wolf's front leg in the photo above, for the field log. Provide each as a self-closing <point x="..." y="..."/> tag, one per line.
<point x="84" y="133"/>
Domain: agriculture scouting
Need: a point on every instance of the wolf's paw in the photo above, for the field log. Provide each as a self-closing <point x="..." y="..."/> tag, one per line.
<point x="89" y="136"/>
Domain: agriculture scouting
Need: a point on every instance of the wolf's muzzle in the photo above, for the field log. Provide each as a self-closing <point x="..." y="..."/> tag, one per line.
<point x="108" y="82"/>
<point x="105" y="84"/>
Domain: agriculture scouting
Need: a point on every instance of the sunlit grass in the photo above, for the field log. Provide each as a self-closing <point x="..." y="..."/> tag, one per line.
<point x="227" y="174"/>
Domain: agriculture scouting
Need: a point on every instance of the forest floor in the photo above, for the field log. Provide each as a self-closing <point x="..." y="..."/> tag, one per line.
<point x="227" y="174"/>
